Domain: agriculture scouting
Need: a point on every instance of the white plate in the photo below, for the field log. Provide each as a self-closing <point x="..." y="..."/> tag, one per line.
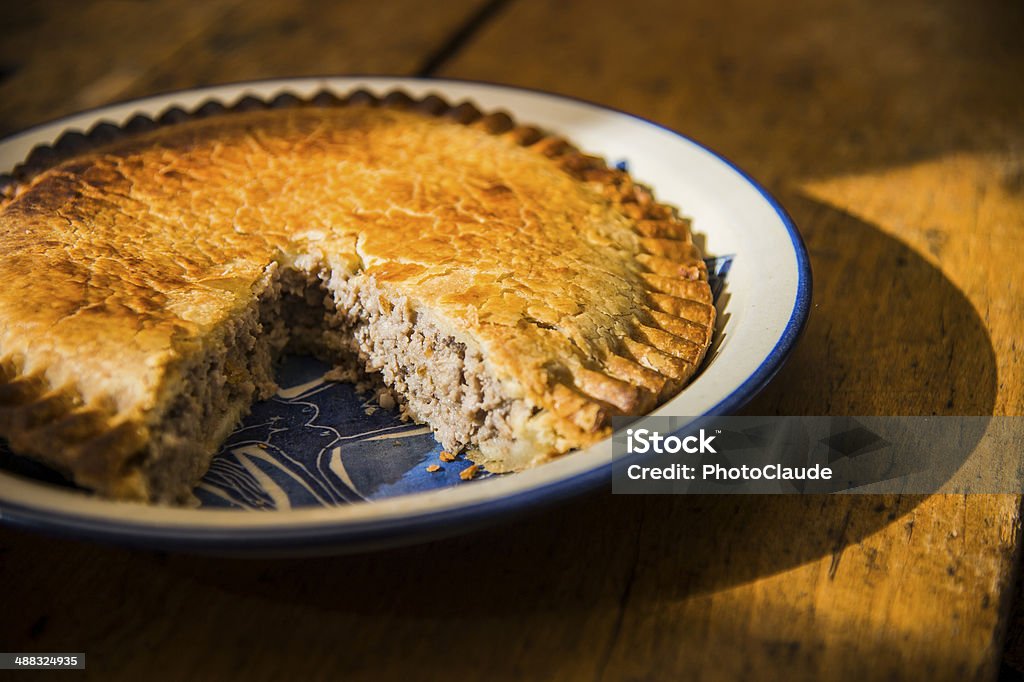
<point x="765" y="305"/>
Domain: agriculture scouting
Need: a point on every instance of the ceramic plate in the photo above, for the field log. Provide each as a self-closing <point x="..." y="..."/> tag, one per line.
<point x="320" y="468"/>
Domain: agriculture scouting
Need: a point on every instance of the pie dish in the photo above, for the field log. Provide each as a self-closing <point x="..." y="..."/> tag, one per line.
<point x="512" y="292"/>
<point x="760" y="313"/>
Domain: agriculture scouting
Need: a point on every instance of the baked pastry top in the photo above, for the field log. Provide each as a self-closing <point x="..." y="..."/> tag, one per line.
<point x="578" y="294"/>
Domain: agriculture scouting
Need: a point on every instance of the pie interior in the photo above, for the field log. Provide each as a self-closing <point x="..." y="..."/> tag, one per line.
<point x="510" y="291"/>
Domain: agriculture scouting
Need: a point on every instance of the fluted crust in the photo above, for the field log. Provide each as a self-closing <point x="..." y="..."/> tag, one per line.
<point x="126" y="249"/>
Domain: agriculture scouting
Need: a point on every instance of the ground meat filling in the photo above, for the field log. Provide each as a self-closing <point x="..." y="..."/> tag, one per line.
<point x="437" y="380"/>
<point x="349" y="322"/>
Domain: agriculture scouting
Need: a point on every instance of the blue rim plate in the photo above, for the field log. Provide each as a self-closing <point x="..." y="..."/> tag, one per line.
<point x="762" y="309"/>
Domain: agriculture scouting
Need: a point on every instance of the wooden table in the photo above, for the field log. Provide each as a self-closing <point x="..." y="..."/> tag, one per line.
<point x="891" y="131"/>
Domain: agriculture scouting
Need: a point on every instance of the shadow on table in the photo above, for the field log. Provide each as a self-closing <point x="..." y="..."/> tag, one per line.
<point x="920" y="346"/>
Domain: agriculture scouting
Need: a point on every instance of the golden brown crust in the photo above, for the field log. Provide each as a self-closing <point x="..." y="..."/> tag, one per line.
<point x="122" y="251"/>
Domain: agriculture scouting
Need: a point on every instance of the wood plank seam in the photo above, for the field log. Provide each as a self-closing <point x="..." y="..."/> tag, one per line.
<point x="460" y="37"/>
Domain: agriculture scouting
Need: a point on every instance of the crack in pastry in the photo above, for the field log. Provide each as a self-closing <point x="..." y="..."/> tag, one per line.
<point x="513" y="293"/>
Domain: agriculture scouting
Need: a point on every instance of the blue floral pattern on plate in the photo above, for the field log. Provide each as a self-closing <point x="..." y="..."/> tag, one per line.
<point x="320" y="443"/>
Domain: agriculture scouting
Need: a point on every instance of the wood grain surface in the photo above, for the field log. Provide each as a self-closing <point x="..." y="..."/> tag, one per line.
<point x="893" y="133"/>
